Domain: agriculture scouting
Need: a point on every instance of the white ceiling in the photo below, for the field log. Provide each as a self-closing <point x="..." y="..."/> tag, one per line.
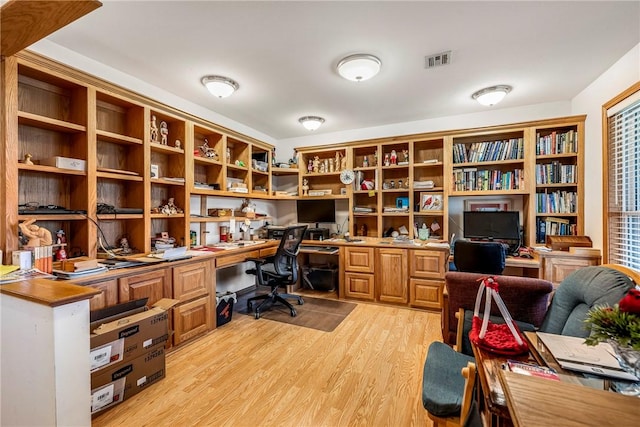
<point x="284" y="54"/>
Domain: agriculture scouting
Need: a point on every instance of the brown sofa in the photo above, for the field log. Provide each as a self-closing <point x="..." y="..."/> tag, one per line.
<point x="526" y="299"/>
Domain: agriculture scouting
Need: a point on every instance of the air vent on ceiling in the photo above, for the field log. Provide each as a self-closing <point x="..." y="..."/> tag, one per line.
<point x="437" y="60"/>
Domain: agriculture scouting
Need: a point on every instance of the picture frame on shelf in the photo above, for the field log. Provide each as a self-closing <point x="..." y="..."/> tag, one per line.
<point x="431" y="202"/>
<point x="487" y="205"/>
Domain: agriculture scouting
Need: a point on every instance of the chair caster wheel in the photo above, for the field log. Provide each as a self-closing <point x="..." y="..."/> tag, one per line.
<point x="257" y="315"/>
<point x="293" y="313"/>
<point x="300" y="301"/>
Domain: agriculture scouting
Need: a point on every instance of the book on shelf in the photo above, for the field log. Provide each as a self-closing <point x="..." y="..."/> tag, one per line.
<point x="532" y="369"/>
<point x="363" y="209"/>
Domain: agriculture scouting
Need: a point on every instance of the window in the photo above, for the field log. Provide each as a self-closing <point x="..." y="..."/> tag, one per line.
<point x="622" y="179"/>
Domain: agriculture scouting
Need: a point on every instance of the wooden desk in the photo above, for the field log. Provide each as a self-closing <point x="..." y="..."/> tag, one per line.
<point x="539" y="402"/>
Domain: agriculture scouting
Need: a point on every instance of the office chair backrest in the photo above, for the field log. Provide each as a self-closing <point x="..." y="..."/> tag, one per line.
<point x="285" y="260"/>
<point x="479" y="257"/>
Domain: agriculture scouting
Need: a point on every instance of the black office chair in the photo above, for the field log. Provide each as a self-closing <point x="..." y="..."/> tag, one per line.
<point x="279" y="270"/>
<point x="479" y="257"/>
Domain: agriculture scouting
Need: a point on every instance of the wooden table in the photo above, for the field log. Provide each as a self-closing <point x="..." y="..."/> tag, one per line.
<point x="540" y="402"/>
<point x="495" y="405"/>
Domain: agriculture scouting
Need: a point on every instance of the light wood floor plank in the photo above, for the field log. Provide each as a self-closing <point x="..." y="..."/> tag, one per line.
<point x="368" y="372"/>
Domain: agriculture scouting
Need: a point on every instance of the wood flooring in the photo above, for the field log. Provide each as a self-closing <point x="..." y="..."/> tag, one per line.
<point x="367" y="372"/>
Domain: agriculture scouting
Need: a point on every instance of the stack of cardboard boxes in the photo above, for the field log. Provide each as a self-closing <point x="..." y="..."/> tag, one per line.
<point x="127" y="352"/>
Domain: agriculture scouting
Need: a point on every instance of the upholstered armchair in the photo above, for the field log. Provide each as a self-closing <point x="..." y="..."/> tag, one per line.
<point x="526" y="299"/>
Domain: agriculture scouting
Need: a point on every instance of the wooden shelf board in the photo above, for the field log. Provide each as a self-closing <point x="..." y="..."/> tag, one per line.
<point x="482" y="164"/>
<point x="238" y="168"/>
<point x="226" y="218"/>
<point x="569" y="215"/>
<point x="392" y="167"/>
<point x="566" y="184"/>
<point x="163" y="216"/>
<point x="557" y="156"/>
<point x="50" y="169"/>
<point x="428" y="213"/>
<point x="428" y="165"/>
<point x="284" y="171"/>
<point x="369" y="214"/>
<point x="167" y="182"/>
<point x="428" y="190"/>
<point x="37" y="120"/>
<point x="313" y="174"/>
<point x="488" y="192"/>
<point x="117" y="138"/>
<point x="257" y="172"/>
<point x="109" y="217"/>
<point x="156" y="146"/>
<point x="206" y="161"/>
<point x="54" y="217"/>
<point x="119" y="176"/>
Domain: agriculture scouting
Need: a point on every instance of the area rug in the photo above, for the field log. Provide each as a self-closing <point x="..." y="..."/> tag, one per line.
<point x="315" y="313"/>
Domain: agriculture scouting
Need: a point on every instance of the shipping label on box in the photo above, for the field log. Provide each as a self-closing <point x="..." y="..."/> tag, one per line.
<point x="130" y="336"/>
<point x="123" y="380"/>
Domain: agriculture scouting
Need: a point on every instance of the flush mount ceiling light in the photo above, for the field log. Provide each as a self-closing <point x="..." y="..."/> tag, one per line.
<point x="359" y="67"/>
<point x="311" y="122"/>
<point x="220" y="86"/>
<point x="491" y="95"/>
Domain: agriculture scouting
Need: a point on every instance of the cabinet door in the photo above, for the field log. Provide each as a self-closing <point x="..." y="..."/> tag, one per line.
<point x="108" y="295"/>
<point x="192" y="280"/>
<point x="392" y="275"/>
<point x="427" y="264"/>
<point x="154" y="285"/>
<point x="191" y="319"/>
<point x="358" y="285"/>
<point x="556" y="269"/>
<point x="359" y="260"/>
<point x="426" y="293"/>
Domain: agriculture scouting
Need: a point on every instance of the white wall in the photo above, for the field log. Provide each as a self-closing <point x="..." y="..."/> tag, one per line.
<point x="612" y="82"/>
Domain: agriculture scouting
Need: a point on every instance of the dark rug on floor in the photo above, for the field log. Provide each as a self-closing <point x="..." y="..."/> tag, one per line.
<point x="315" y="313"/>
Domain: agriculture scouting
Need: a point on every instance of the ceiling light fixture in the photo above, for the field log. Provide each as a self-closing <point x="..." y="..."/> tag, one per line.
<point x="220" y="86"/>
<point x="359" y="67"/>
<point x="491" y="95"/>
<point x="311" y="122"/>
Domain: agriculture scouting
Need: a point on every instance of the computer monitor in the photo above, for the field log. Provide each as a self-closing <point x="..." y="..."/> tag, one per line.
<point x="492" y="225"/>
<point x="316" y="211"/>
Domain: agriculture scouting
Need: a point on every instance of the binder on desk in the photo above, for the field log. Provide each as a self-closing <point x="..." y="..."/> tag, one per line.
<point x="573" y="354"/>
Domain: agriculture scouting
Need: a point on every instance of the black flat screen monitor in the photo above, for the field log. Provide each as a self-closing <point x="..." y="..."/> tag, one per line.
<point x="316" y="211"/>
<point x="492" y="225"/>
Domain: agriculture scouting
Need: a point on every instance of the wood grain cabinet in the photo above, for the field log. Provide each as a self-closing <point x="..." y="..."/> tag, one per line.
<point x="154" y="285"/>
<point x="426" y="269"/>
<point x="194" y="285"/>
<point x="359" y="277"/>
<point x="392" y="275"/>
<point x="108" y="295"/>
<point x="557" y="266"/>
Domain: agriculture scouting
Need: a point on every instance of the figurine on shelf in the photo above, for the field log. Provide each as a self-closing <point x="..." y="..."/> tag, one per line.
<point x="207" y="151"/>
<point x="170" y="208"/>
<point x="27" y="159"/>
<point x="154" y="129"/>
<point x="375" y="158"/>
<point x="325" y="162"/>
<point x="343" y="163"/>
<point x="178" y="144"/>
<point x="365" y="162"/>
<point x="322" y="168"/>
<point x="337" y="163"/>
<point x="405" y="155"/>
<point x="61" y="238"/>
<point x="228" y="155"/>
<point x="38" y="236"/>
<point x="387" y="160"/>
<point x="164" y="132"/>
<point x="310" y="166"/>
<point x="305" y="187"/>
<point x="124" y="246"/>
<point x="393" y="158"/>
<point x="316" y="164"/>
<point x="331" y="168"/>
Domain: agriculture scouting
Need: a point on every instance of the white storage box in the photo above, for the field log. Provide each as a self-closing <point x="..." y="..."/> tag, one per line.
<point x="65" y="163"/>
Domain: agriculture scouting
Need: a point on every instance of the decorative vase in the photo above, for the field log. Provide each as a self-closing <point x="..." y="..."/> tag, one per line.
<point x="629" y="360"/>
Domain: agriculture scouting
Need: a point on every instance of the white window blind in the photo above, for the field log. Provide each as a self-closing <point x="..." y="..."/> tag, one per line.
<point x="623" y="234"/>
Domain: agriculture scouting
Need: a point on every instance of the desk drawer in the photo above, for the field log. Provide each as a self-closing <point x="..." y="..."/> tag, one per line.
<point x="226" y="260"/>
<point x="426" y="293"/>
<point x="191" y="280"/>
<point x="268" y="252"/>
<point x="427" y="264"/>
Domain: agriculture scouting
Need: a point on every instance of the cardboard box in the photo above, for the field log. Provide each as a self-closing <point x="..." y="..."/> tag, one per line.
<point x="128" y="336"/>
<point x="126" y="379"/>
<point x="65" y="163"/>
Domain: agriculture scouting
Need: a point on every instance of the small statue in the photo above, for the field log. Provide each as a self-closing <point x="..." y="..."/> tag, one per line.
<point x="124" y="246"/>
<point x="375" y="158"/>
<point x="154" y="129"/>
<point x="208" y="151"/>
<point x="316" y="164"/>
<point x="228" y="155"/>
<point x="27" y="159"/>
<point x="322" y="168"/>
<point x="305" y="187"/>
<point x="61" y="238"/>
<point x="337" y="161"/>
<point x="387" y="161"/>
<point x="331" y="168"/>
<point x="38" y="236"/>
<point x="178" y="144"/>
<point x="405" y="155"/>
<point x="164" y="132"/>
<point x="393" y="158"/>
<point x="310" y="166"/>
<point x="325" y="162"/>
<point x="365" y="162"/>
<point x="170" y="208"/>
<point x="343" y="163"/>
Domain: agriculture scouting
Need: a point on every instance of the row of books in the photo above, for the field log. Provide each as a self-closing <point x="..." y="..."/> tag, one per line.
<point x="363" y="209"/>
<point x="471" y="179"/>
<point x="551" y="226"/>
<point x="556" y="173"/>
<point x="557" y="202"/>
<point x="489" y="151"/>
<point x="557" y="143"/>
<point x="42" y="257"/>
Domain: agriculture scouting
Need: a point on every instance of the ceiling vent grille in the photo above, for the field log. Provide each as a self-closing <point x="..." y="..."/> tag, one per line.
<point x="437" y="60"/>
